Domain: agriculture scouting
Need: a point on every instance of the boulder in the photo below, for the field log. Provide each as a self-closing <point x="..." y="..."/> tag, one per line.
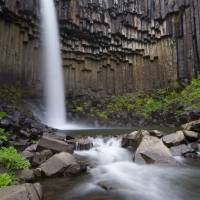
<point x="156" y="133"/>
<point x="28" y="155"/>
<point x="195" y="146"/>
<point x="54" y="145"/>
<point x="194" y="156"/>
<point x="132" y="139"/>
<point x="41" y="157"/>
<point x="76" y="168"/>
<point x="19" y="192"/>
<point x="191" y="135"/>
<point x="81" y="143"/>
<point x="174" y="139"/>
<point x="57" y="164"/>
<point x="38" y="159"/>
<point x="32" y="147"/>
<point x="25" y="175"/>
<point x="152" y="150"/>
<point x="24" y="134"/>
<point x="84" y="144"/>
<point x="180" y="150"/>
<point x="191" y="126"/>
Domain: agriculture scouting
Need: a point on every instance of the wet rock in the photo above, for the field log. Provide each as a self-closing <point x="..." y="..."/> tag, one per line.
<point x="54" y="145"/>
<point x="151" y="150"/>
<point x="57" y="164"/>
<point x="25" y="175"/>
<point x="76" y="168"/>
<point x="180" y="150"/>
<point x="19" y="192"/>
<point x="133" y="139"/>
<point x="81" y="143"/>
<point x="156" y="133"/>
<point x="84" y="144"/>
<point x="194" y="156"/>
<point x="39" y="189"/>
<point x="174" y="139"/>
<point x="191" y="135"/>
<point x="195" y="146"/>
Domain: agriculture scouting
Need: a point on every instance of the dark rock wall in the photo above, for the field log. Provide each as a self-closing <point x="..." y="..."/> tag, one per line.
<point x="109" y="46"/>
<point x="20" y="55"/>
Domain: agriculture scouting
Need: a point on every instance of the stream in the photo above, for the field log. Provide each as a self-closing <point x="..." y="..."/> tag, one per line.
<point x="114" y="176"/>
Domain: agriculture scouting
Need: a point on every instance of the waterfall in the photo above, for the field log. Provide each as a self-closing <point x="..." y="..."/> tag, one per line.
<point x="56" y="111"/>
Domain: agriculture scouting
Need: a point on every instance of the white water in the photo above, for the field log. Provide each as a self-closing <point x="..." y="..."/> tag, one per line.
<point x="114" y="168"/>
<point x="56" y="111"/>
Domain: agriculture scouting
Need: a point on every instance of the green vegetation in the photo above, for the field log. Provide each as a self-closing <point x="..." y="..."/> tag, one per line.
<point x="2" y="115"/>
<point x="33" y="141"/>
<point x="7" y="179"/>
<point x="170" y="99"/>
<point x="12" y="95"/>
<point x="3" y="138"/>
<point x="12" y="160"/>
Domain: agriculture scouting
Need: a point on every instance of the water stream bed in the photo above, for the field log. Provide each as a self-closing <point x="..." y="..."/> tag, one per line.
<point x="113" y="175"/>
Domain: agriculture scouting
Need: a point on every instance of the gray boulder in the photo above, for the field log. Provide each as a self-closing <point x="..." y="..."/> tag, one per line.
<point x="54" y="145"/>
<point x="151" y="150"/>
<point x="180" y="150"/>
<point x="174" y="139"/>
<point x="132" y="139"/>
<point x="191" y="135"/>
<point x="76" y="168"/>
<point x="191" y="126"/>
<point x="81" y="143"/>
<point x="20" y="192"/>
<point x="57" y="164"/>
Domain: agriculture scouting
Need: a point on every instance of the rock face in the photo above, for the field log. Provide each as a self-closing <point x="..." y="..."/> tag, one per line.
<point x="108" y="46"/>
<point x="152" y="150"/>
<point x="18" y="192"/>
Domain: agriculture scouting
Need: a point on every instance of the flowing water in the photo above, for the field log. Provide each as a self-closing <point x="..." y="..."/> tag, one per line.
<point x="114" y="170"/>
<point x="56" y="111"/>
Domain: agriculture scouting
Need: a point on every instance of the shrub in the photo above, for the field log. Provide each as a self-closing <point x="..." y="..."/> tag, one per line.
<point x="2" y="115"/>
<point x="12" y="160"/>
<point x="7" y="179"/>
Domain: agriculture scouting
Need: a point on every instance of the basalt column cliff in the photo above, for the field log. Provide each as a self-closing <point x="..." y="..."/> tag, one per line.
<point x="108" y="46"/>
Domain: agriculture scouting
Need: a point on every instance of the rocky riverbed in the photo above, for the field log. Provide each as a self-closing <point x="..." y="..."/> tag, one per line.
<point x="53" y="155"/>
